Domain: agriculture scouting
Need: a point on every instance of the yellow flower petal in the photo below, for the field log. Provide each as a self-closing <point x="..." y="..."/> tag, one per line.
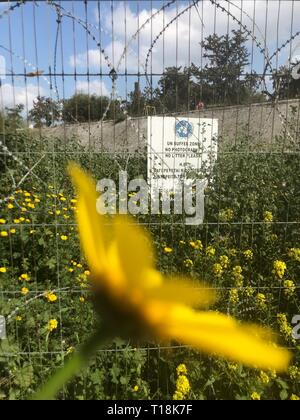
<point x="91" y="228"/>
<point x="222" y="335"/>
<point x="135" y="250"/>
<point x="178" y="290"/>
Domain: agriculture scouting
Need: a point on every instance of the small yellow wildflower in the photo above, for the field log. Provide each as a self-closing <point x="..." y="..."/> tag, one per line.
<point x="249" y="291"/>
<point x="234" y="296"/>
<point x="294" y="372"/>
<point x="284" y="327"/>
<point x="64" y="237"/>
<point x="261" y="300"/>
<point x="51" y="297"/>
<point x="197" y="245"/>
<point x="87" y="273"/>
<point x="18" y="318"/>
<point x="178" y="396"/>
<point x="248" y="254"/>
<point x="183" y="384"/>
<point x="4" y="234"/>
<point x="237" y="275"/>
<point x="263" y="377"/>
<point x="31" y="205"/>
<point x="3" y="270"/>
<point x="2" y="221"/>
<point x="255" y="396"/>
<point x="70" y="350"/>
<point x="210" y="251"/>
<point x="12" y="231"/>
<point x="233" y="252"/>
<point x="168" y="250"/>
<point x="279" y="268"/>
<point x="289" y="288"/>
<point x="135" y="388"/>
<point x="181" y="369"/>
<point x="226" y="215"/>
<point x="224" y="261"/>
<point x="268" y="217"/>
<point x="52" y="325"/>
<point x="188" y="263"/>
<point x="233" y="367"/>
<point x="217" y="269"/>
<point x="82" y="299"/>
<point x="294" y="397"/>
<point x="294" y="253"/>
<point x="24" y="291"/>
<point x="17" y="221"/>
<point x="10" y="206"/>
<point x="24" y="277"/>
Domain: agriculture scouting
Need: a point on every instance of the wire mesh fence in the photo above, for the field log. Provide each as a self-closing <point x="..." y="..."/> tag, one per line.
<point x="83" y="81"/>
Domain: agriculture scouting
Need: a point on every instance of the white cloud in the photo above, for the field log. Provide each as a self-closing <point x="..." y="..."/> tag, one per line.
<point x="180" y="43"/>
<point x="13" y="95"/>
<point x="96" y="87"/>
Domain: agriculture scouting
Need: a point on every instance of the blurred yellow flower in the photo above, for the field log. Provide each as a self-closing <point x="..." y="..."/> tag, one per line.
<point x="224" y="261"/>
<point x="135" y="388"/>
<point x="51" y="297"/>
<point x="52" y="325"/>
<point x="196" y="244"/>
<point x="178" y="396"/>
<point x="268" y="217"/>
<point x="4" y="234"/>
<point x="234" y="296"/>
<point x="218" y="270"/>
<point x="18" y="318"/>
<point x="168" y="250"/>
<point x="24" y="277"/>
<point x="248" y="254"/>
<point x="24" y="291"/>
<point x="188" y="263"/>
<point x="289" y="288"/>
<point x="294" y="253"/>
<point x="279" y="268"/>
<point x="2" y="221"/>
<point x="210" y="251"/>
<point x="264" y="378"/>
<point x="10" y="206"/>
<point x="294" y="397"/>
<point x="139" y="302"/>
<point x="255" y="396"/>
<point x="64" y="237"/>
<point x="3" y="270"/>
<point x="183" y="385"/>
<point x="181" y="369"/>
<point x="261" y="300"/>
<point x="81" y="299"/>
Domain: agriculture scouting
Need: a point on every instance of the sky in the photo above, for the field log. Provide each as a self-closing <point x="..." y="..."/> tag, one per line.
<point x="31" y="38"/>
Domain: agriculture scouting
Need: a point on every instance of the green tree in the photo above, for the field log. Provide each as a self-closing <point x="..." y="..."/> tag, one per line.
<point x="224" y="80"/>
<point x="45" y="112"/>
<point x="83" y="108"/>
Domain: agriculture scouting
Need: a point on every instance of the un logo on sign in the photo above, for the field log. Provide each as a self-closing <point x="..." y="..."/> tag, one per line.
<point x="183" y="129"/>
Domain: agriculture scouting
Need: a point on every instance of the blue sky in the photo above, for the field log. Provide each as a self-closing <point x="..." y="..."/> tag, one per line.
<point x="30" y="32"/>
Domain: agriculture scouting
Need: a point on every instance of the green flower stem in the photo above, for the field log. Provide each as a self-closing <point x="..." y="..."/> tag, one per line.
<point x="73" y="366"/>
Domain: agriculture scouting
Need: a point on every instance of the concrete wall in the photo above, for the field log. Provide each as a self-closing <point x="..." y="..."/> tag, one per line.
<point x="261" y="121"/>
